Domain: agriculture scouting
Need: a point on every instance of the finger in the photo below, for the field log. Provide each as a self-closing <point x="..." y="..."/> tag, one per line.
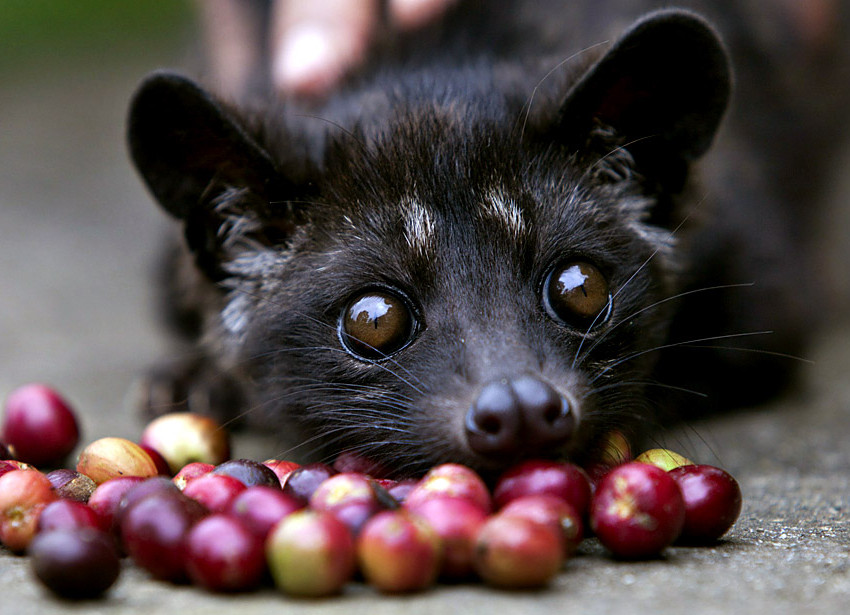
<point x="231" y="34"/>
<point x="410" y="14"/>
<point x="315" y="42"/>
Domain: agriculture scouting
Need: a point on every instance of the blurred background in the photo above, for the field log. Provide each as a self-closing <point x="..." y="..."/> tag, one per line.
<point x="79" y="234"/>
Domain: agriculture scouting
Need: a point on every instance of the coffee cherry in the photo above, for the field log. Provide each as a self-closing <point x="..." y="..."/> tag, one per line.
<point x="517" y="552"/>
<point x="248" y="472"/>
<point x="637" y="510"/>
<point x="39" y="425"/>
<point x="154" y="530"/>
<point x="158" y="460"/>
<point x="400" y="490"/>
<point x="72" y="485"/>
<point x="190" y="472"/>
<point x="146" y="488"/>
<point x="20" y="465"/>
<point x="68" y="515"/>
<point x="612" y="450"/>
<point x="282" y="469"/>
<point x="106" y="499"/>
<point x="451" y="480"/>
<point x="663" y="458"/>
<point x="305" y="480"/>
<point x="310" y="553"/>
<point x="214" y="491"/>
<point x="456" y="522"/>
<point x="75" y="563"/>
<point x="538" y="477"/>
<point x="260" y="508"/>
<point x="183" y="438"/>
<point x="712" y="502"/>
<point x="23" y="495"/>
<point x="398" y="552"/>
<point x="552" y="511"/>
<point x="350" y="497"/>
<point x="5" y="466"/>
<point x="351" y="462"/>
<point x="113" y="457"/>
<point x="223" y="555"/>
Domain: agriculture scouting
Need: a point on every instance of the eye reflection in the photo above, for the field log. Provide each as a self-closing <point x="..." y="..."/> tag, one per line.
<point x="577" y="294"/>
<point x="376" y="324"/>
<point x="572" y="279"/>
<point x="369" y="310"/>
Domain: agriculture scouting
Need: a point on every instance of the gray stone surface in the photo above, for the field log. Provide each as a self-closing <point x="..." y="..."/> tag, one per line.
<point x="77" y="236"/>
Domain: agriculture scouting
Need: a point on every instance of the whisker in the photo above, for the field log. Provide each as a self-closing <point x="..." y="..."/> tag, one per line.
<point x="626" y="319"/>
<point x="310" y="440"/>
<point x="623" y="287"/>
<point x="347" y="414"/>
<point x="527" y="106"/>
<point x="675" y="345"/>
<point x="326" y="325"/>
<point x="687" y="445"/>
<point x="343" y="129"/>
<point x="760" y="351"/>
<point x="648" y="383"/>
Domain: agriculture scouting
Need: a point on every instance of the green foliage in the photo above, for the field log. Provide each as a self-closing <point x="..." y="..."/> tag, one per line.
<point x="51" y="28"/>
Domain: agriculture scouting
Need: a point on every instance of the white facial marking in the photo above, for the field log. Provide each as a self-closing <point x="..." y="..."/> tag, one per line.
<point x="418" y="227"/>
<point x="506" y="211"/>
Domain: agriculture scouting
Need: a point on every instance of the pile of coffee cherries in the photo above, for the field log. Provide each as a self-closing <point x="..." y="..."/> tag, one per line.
<point x="182" y="510"/>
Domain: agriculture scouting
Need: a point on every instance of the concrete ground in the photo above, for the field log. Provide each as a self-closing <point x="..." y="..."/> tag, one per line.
<point x="77" y="236"/>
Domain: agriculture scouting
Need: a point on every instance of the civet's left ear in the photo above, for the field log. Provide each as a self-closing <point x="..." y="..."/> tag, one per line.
<point x="663" y="87"/>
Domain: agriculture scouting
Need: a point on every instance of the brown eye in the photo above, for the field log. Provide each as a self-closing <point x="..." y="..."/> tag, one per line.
<point x="577" y="294"/>
<point x="376" y="324"/>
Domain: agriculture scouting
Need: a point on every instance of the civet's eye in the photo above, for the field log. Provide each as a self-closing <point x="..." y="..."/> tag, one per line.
<point x="576" y="293"/>
<point x="376" y="324"/>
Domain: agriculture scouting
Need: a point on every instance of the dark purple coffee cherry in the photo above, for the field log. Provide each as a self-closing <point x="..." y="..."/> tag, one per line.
<point x="146" y="488"/>
<point x="106" y="499"/>
<point x="306" y="479"/>
<point x="75" y="563"/>
<point x="154" y="530"/>
<point x="68" y="515"/>
<point x="248" y="472"/>
<point x="72" y="485"/>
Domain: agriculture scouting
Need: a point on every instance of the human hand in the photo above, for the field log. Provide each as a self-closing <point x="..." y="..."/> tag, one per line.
<point x="312" y="44"/>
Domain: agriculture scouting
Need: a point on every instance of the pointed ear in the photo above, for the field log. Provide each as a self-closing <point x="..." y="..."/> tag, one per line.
<point x="184" y="144"/>
<point x="663" y="88"/>
<point x="205" y="170"/>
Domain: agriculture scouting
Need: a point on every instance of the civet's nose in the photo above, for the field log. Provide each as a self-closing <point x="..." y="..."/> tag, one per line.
<point x="516" y="416"/>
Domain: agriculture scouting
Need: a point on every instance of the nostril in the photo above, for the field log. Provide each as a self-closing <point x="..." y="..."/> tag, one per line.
<point x="555" y="412"/>
<point x="493" y="423"/>
<point x="489" y="424"/>
<point x="547" y="416"/>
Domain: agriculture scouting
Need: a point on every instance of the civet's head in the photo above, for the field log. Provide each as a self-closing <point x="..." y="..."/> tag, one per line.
<point x="456" y="275"/>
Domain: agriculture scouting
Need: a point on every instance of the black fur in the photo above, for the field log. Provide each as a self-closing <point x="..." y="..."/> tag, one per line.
<point x="289" y="212"/>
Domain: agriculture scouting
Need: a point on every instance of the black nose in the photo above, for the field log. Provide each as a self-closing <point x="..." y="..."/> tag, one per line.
<point x="521" y="415"/>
